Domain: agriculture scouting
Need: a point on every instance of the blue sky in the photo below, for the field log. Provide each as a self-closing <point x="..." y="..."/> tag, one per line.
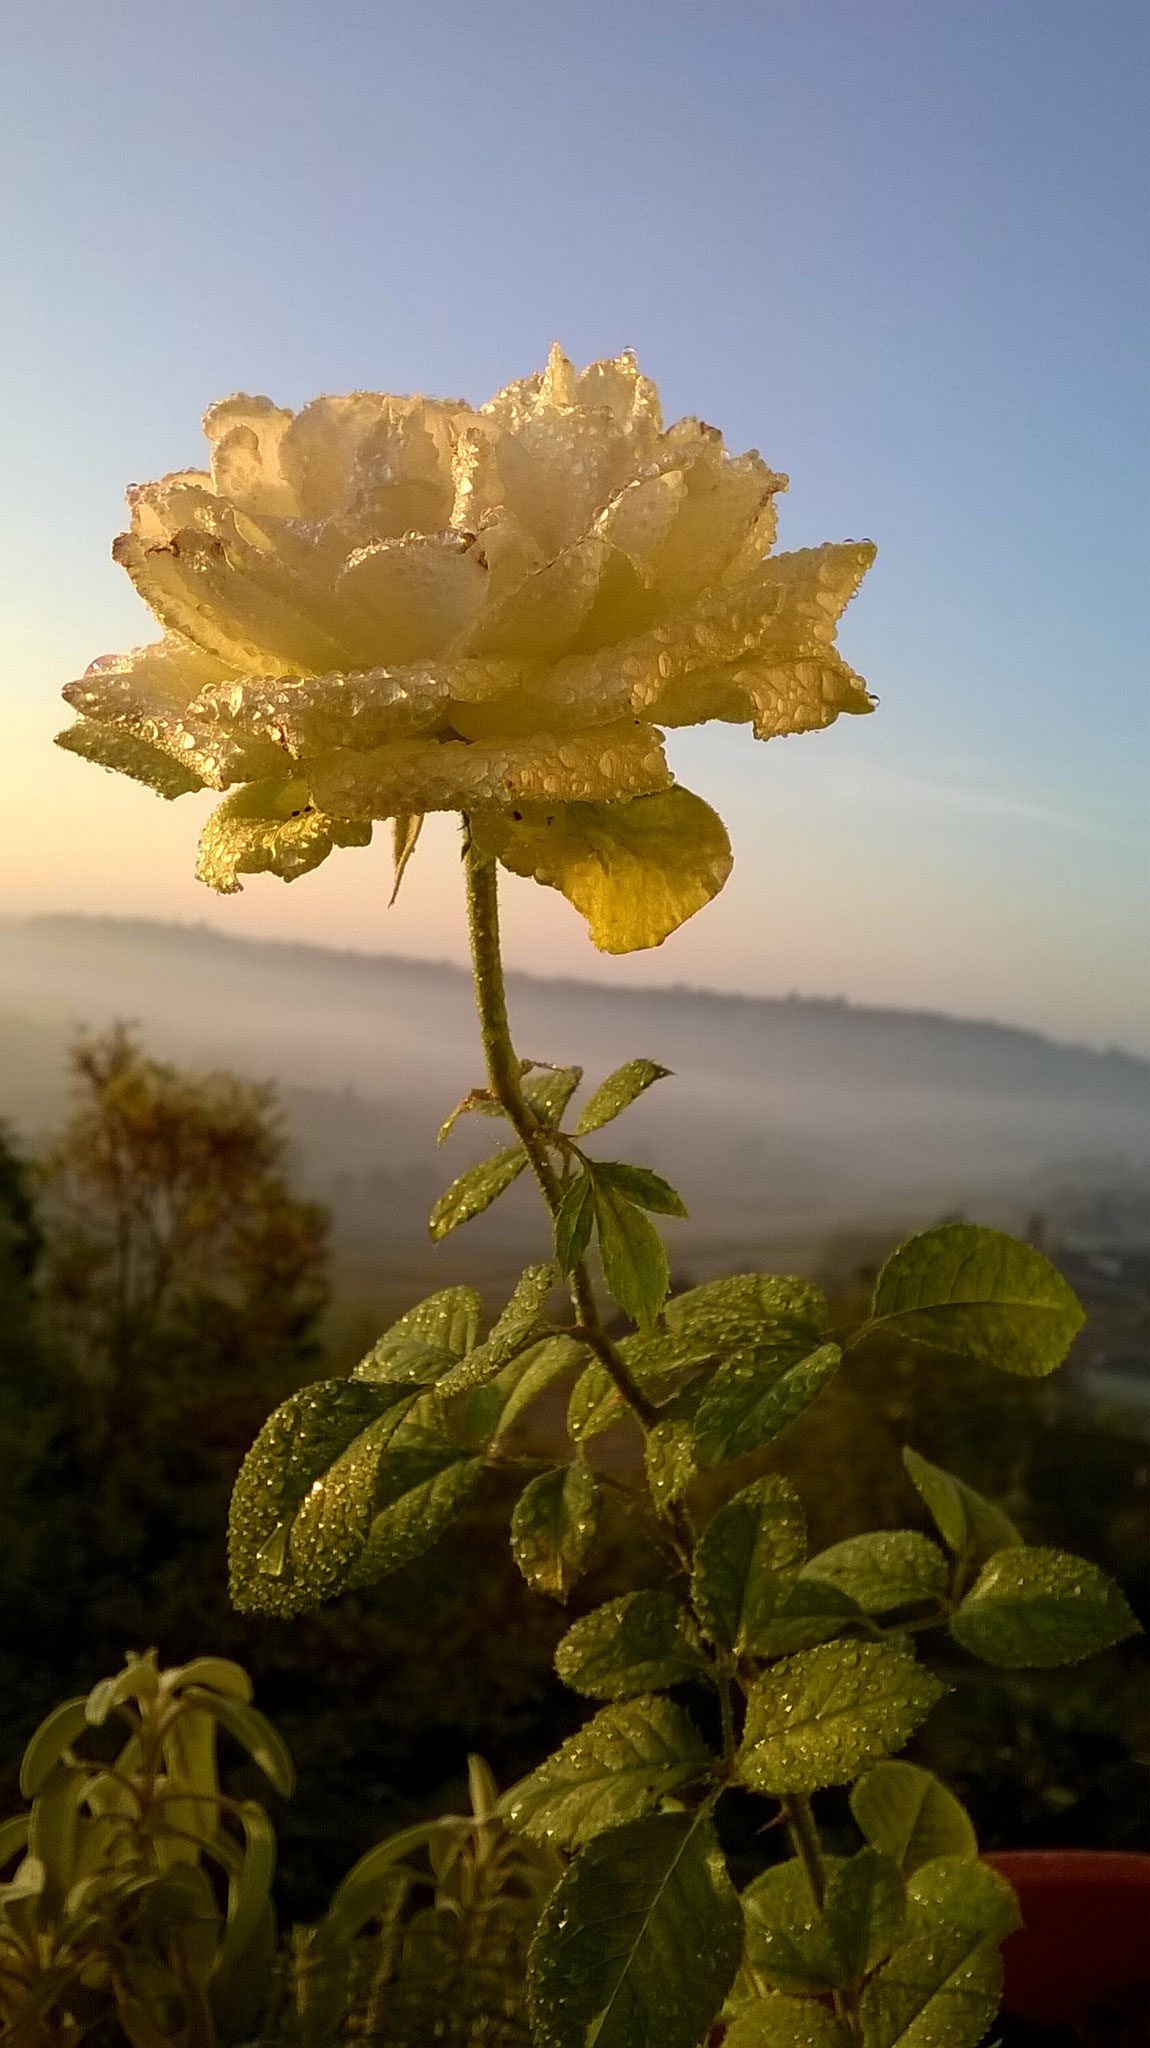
<point x="900" y="248"/>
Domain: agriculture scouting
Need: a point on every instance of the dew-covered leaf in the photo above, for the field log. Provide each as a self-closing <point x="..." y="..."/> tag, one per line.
<point x="553" y="1528"/>
<point x="641" y="1642"/>
<point x="421" y="1492"/>
<point x="617" y="1092"/>
<point x="639" y="1941"/>
<point x="404" y="1362"/>
<point x="793" y="1946"/>
<point x="620" y="1765"/>
<point x="1035" y="1606"/>
<point x="478" y="1101"/>
<point x="528" y="1376"/>
<point x="669" y="1460"/>
<point x="520" y="1325"/>
<point x="449" y="1319"/>
<point x="750" y="1400"/>
<point x="818" y="1717"/>
<point x="475" y="1190"/>
<point x="807" y="1613"/>
<point x="318" y="1456"/>
<point x="719" y="1320"/>
<point x="885" y="1569"/>
<point x="548" y="1092"/>
<point x="788" y="1945"/>
<point x="574" y="1222"/>
<point x="941" y="1986"/>
<point x="776" y="2021"/>
<point x="745" y="1562"/>
<point x="744" y="1312"/>
<point x="638" y="1184"/>
<point x="633" y="1255"/>
<point x="981" y="1294"/>
<point x="970" y="1525"/>
<point x="864" y="1909"/>
<point x="910" y="1814"/>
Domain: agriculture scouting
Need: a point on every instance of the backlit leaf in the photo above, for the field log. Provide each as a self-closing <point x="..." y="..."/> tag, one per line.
<point x="973" y="1527"/>
<point x="638" y="1184"/>
<point x="775" y="2021"/>
<point x="910" y="1814"/>
<point x="548" y="1092"/>
<point x="793" y="1946"/>
<point x="449" y="1318"/>
<point x="635" y="869"/>
<point x="641" y="1642"/>
<point x="981" y="1294"/>
<point x="818" y="1717"/>
<point x="519" y="1326"/>
<point x="1041" y="1607"/>
<point x="475" y="1190"/>
<point x="941" y="1986"/>
<point x="617" y="1092"/>
<point x="639" y="1941"/>
<point x="553" y="1528"/>
<point x="745" y="1561"/>
<point x="529" y="1375"/>
<point x="619" y="1766"/>
<point x="420" y="1494"/>
<point x="888" y="1568"/>
<point x="633" y="1256"/>
<point x="574" y="1222"/>
<point x="807" y="1613"/>
<point x="316" y="1459"/>
<point x="749" y="1401"/>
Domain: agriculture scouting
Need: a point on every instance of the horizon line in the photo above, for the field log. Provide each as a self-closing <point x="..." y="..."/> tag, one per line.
<point x="605" y="988"/>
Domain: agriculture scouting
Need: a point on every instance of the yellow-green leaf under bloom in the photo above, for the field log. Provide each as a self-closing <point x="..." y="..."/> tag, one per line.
<point x="273" y="828"/>
<point x="635" y="870"/>
<point x="384" y="606"/>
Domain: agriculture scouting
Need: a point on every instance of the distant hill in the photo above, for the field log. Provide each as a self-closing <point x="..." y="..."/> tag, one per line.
<point x="784" y="1116"/>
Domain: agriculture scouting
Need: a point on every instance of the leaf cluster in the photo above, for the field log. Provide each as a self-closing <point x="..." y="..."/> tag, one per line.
<point x="141" y="1894"/>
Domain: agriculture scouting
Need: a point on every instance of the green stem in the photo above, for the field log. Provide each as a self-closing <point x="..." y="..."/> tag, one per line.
<point x="503" y="1072"/>
<point x="805" y="1841"/>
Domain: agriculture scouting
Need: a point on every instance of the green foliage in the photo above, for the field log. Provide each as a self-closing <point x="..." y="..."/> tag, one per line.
<point x="640" y="1940"/>
<point x="617" y="1093"/>
<point x="144" y="1897"/>
<point x="910" y="1815"/>
<point x="475" y="1190"/>
<point x="622" y="1764"/>
<point x="351" y="1479"/>
<point x="795" y="1945"/>
<point x="1041" y="1607"/>
<point x="971" y="1526"/>
<point x="818" y="1717"/>
<point x="775" y="2021"/>
<point x="981" y="1294"/>
<point x="634" y="1261"/>
<point x="943" y="1980"/>
<point x="891" y="1568"/>
<point x="639" y="1643"/>
<point x="553" y="1528"/>
<point x="425" y="1939"/>
<point x="749" y="1401"/>
<point x="745" y="1563"/>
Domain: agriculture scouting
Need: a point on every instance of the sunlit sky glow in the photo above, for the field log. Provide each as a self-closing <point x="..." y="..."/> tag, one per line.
<point x="899" y="248"/>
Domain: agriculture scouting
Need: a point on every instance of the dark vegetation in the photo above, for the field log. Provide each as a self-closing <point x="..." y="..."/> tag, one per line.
<point x="162" y="1288"/>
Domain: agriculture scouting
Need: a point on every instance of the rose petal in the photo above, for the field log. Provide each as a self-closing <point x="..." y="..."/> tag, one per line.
<point x="409" y="597"/>
<point x="128" y="756"/>
<point x="426" y="775"/>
